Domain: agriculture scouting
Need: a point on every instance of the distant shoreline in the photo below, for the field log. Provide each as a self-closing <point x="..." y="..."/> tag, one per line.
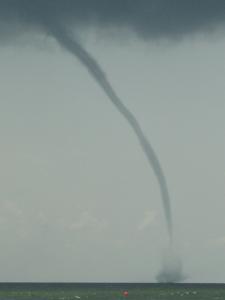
<point x="111" y="284"/>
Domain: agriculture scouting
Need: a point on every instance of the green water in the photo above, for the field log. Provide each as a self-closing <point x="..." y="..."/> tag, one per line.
<point x="93" y="291"/>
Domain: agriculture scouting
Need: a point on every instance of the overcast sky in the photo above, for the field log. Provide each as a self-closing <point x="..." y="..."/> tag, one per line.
<point x="79" y="202"/>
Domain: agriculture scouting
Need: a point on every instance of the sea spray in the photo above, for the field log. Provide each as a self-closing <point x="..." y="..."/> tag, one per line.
<point x="171" y="269"/>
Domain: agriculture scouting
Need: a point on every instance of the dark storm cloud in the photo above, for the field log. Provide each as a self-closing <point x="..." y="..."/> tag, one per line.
<point x="148" y="18"/>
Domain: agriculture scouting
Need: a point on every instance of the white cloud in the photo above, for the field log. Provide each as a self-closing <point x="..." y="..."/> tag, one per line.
<point x="11" y="208"/>
<point x="219" y="242"/>
<point x="88" y="221"/>
<point x="148" y="220"/>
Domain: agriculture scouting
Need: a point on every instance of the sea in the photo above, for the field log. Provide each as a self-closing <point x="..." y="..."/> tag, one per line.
<point x="111" y="291"/>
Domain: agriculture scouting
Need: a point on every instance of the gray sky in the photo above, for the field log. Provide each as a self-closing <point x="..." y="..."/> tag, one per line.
<point x="79" y="201"/>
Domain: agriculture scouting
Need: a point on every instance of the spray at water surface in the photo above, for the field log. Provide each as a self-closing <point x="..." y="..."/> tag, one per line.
<point x="172" y="267"/>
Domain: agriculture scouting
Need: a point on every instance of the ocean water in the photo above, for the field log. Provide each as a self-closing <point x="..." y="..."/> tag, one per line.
<point x="110" y="291"/>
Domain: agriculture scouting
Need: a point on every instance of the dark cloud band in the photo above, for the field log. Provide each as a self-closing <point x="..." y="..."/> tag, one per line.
<point x="148" y="18"/>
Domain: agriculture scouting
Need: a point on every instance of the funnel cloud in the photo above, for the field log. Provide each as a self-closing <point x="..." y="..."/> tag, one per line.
<point x="95" y="70"/>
